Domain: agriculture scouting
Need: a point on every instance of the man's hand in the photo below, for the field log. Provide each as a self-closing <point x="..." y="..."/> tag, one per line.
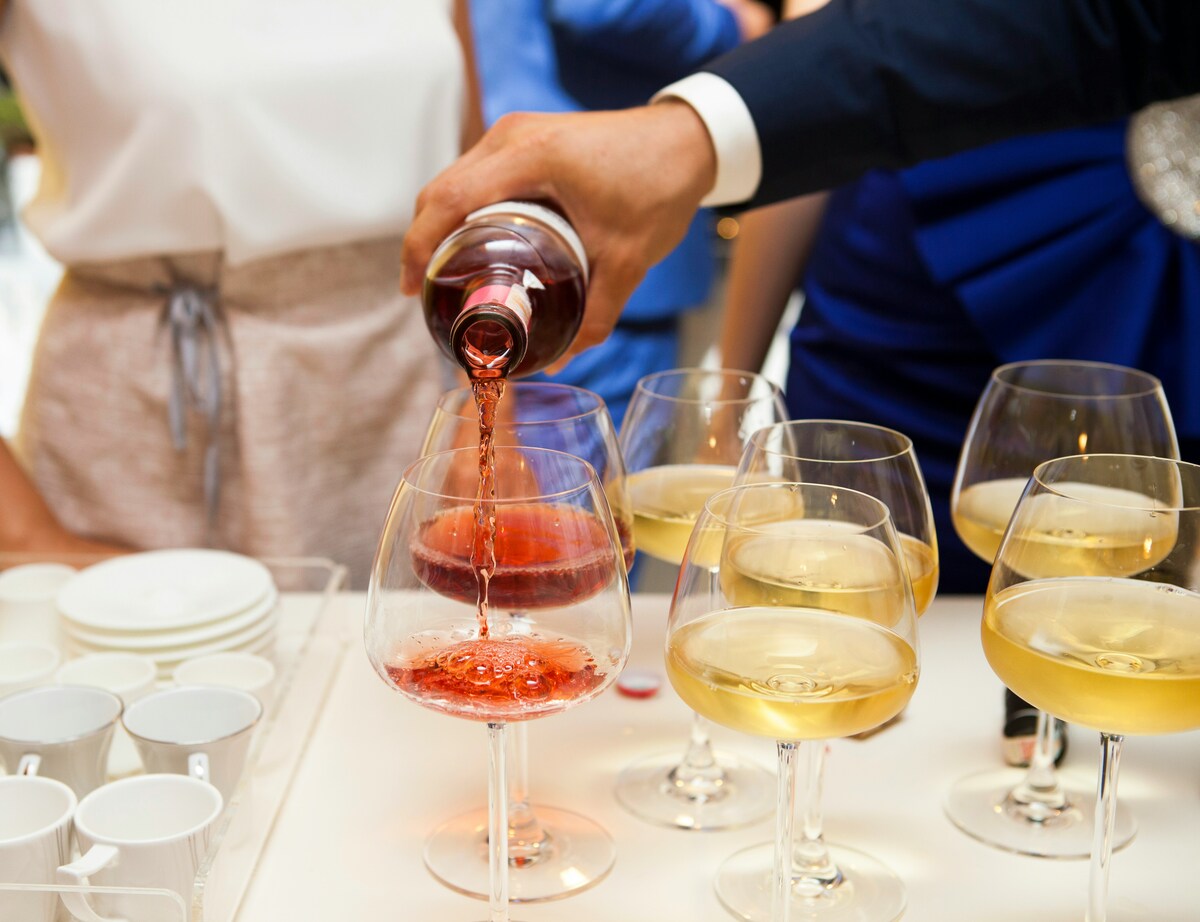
<point x="629" y="182"/>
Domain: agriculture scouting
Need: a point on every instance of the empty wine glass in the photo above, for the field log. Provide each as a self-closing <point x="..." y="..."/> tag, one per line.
<point x="1028" y="413"/>
<point x="682" y="439"/>
<point x="438" y="628"/>
<point x="1093" y="610"/>
<point x="552" y="852"/>
<point x="809" y="634"/>
<point x="881" y="463"/>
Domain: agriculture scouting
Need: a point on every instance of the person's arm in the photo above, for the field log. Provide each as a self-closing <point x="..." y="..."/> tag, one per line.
<point x="875" y="83"/>
<point x="26" y="523"/>
<point x="769" y="255"/>
<point x="859" y="83"/>
<point x="472" y="129"/>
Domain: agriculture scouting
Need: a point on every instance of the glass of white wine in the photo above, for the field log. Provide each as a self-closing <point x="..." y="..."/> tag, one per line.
<point x="1104" y="633"/>
<point x="810" y="635"/>
<point x="682" y="439"/>
<point x="1028" y="413"/>
<point x="552" y="852"/>
<point x="882" y="463"/>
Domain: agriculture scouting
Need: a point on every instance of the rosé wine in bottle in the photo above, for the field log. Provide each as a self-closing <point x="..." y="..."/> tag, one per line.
<point x="504" y="293"/>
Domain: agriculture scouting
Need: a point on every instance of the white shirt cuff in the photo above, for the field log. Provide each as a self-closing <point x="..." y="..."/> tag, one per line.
<point x="731" y="128"/>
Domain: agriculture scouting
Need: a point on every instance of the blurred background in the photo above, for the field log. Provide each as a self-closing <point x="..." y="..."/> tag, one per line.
<point x="28" y="275"/>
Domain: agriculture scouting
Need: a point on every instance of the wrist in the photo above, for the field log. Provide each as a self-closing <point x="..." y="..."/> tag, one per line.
<point x="692" y="154"/>
<point x="730" y="131"/>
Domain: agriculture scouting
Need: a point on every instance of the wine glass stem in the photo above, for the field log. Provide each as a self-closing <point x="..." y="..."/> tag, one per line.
<point x="1039" y="797"/>
<point x="1042" y="775"/>
<point x="812" y="868"/>
<point x="1106" y="812"/>
<point x="497" y="826"/>
<point x="528" y="840"/>
<point x="785" y="824"/>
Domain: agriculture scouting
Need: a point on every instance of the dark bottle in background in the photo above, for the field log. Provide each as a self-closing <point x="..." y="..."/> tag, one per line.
<point x="504" y="293"/>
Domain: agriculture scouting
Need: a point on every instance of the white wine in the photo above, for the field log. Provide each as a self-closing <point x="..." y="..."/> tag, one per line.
<point x="666" y="502"/>
<point x="1118" y="655"/>
<point x="982" y="513"/>
<point x="922" y="563"/>
<point x="814" y="563"/>
<point x="1113" y="532"/>
<point x="791" y="673"/>
<point x="1120" y="538"/>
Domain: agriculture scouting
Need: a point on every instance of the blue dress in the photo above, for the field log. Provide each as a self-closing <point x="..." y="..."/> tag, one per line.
<point x="923" y="281"/>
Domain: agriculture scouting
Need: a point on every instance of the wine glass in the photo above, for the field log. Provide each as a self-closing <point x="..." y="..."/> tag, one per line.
<point x="880" y="462"/>
<point x="682" y="439"/>
<point x="809" y="634"/>
<point x="438" y="628"/>
<point x="552" y="852"/>
<point x="1093" y="609"/>
<point x="1030" y="412"/>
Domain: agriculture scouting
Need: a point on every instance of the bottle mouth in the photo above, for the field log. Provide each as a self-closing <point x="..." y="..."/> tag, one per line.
<point x="486" y="340"/>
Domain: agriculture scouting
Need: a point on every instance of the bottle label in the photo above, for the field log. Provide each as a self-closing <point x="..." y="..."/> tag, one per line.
<point x="514" y="297"/>
<point x="547" y="216"/>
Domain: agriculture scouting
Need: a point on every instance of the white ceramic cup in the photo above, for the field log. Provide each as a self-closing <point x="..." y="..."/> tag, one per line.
<point x="202" y="731"/>
<point x="233" y="669"/>
<point x="127" y="675"/>
<point x="27" y="594"/>
<point x="26" y="663"/>
<point x="35" y="838"/>
<point x="59" y="731"/>
<point x="144" y="832"/>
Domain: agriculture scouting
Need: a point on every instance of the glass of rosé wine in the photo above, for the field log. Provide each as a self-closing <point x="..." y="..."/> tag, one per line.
<point x="552" y="852"/>
<point x="466" y="544"/>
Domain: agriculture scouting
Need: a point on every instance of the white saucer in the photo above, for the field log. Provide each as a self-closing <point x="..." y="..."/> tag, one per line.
<point x="151" y="640"/>
<point x="160" y="590"/>
<point x="180" y="652"/>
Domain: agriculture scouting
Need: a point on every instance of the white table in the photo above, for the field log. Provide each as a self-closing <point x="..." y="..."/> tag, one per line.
<point x="381" y="772"/>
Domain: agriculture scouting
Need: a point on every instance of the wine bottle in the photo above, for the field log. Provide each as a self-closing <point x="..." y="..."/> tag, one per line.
<point x="504" y="293"/>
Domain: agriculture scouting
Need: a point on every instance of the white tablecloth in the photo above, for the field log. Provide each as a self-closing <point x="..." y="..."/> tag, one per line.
<point x="381" y="772"/>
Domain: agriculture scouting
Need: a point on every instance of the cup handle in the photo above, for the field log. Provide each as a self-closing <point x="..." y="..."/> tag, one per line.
<point x="76" y="874"/>
<point x="198" y="766"/>
<point x="30" y="764"/>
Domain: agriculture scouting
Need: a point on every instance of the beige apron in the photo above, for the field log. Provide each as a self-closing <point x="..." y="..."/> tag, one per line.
<point x="325" y="379"/>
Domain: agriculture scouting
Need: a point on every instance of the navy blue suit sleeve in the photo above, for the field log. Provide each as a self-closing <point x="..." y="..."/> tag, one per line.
<point x="880" y="83"/>
<point x="673" y="37"/>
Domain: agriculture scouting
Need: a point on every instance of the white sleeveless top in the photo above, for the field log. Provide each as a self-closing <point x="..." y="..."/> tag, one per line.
<point x="255" y="127"/>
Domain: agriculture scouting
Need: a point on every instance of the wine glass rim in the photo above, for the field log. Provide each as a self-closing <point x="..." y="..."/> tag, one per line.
<point x="590" y="478"/>
<point x="1153" y="384"/>
<point x="599" y="404"/>
<point x="1039" y="478"/>
<point x="643" y="383"/>
<point x="905" y="442"/>
<point x="710" y="510"/>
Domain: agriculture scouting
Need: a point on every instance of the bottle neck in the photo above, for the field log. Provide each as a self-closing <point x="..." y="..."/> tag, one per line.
<point x="490" y="335"/>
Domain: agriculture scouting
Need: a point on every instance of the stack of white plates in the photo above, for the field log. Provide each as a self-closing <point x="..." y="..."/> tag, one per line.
<point x="170" y="605"/>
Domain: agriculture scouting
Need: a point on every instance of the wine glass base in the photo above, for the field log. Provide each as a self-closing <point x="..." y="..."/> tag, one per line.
<point x="575" y="854"/>
<point x="981" y="805"/>
<point x="650" y="791"/>
<point x="868" y="891"/>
